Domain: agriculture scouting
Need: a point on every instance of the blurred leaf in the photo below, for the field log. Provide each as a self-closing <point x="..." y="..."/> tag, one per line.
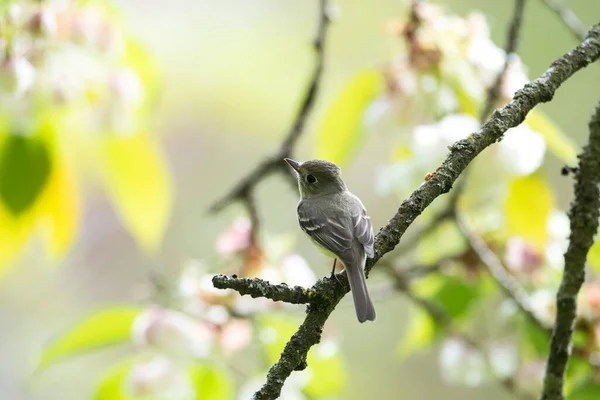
<point x="276" y="330"/>
<point x="577" y="374"/>
<point x="527" y="207"/>
<point x="111" y="385"/>
<point x="60" y="207"/>
<point x="562" y="146"/>
<point x="341" y="131"/>
<point x="586" y="391"/>
<point x="467" y="104"/>
<point x="455" y="296"/>
<point x="401" y="152"/>
<point x="136" y="175"/>
<point x="593" y="257"/>
<point x="446" y="240"/>
<point x="420" y="334"/>
<point x="24" y="170"/>
<point x="138" y="58"/>
<point x="328" y="374"/>
<point x="14" y="233"/>
<point x="449" y="293"/>
<point x="534" y="341"/>
<point x="212" y="383"/>
<point x="105" y="328"/>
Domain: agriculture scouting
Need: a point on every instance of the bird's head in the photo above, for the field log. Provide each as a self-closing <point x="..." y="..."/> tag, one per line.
<point x="317" y="177"/>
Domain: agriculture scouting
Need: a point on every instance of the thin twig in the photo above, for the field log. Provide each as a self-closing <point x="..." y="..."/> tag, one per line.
<point x="512" y="41"/>
<point x="331" y="291"/>
<point x="568" y="18"/>
<point x="584" y="214"/>
<point x="443" y="319"/>
<point x="274" y="163"/>
<point x="507" y="282"/>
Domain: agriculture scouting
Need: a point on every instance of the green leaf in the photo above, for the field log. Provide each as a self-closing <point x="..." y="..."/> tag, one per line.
<point x="449" y="293"/>
<point x="534" y="340"/>
<point x="593" y="256"/>
<point x="340" y="132"/>
<point x="276" y="330"/>
<point x="328" y="373"/>
<point x="24" y="171"/>
<point x="420" y="334"/>
<point x="446" y="240"/>
<point x="578" y="373"/>
<point x="107" y="327"/>
<point x="586" y="391"/>
<point x="561" y="145"/>
<point x="212" y="383"/>
<point x="111" y="385"/>
<point x="527" y="207"/>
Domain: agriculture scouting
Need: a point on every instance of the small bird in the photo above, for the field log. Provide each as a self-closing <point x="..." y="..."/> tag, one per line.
<point x="337" y="222"/>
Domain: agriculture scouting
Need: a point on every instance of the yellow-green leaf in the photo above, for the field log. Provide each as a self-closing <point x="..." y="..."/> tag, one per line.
<point x="420" y="334"/>
<point x="112" y="384"/>
<point x="60" y="210"/>
<point x="593" y="257"/>
<point x="276" y="330"/>
<point x="340" y="132"/>
<point x="138" y="181"/>
<point x="212" y="383"/>
<point x="558" y="143"/>
<point x="107" y="327"/>
<point x="14" y="233"/>
<point x="328" y="376"/>
<point x="587" y="391"/>
<point x="527" y="207"/>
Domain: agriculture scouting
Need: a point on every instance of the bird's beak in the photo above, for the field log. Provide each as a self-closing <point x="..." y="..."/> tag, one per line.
<point x="293" y="164"/>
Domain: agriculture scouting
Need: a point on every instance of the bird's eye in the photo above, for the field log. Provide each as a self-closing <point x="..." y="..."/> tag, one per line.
<point x="310" y="179"/>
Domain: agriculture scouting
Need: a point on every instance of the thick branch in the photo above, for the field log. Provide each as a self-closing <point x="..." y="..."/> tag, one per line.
<point x="584" y="214"/>
<point x="461" y="154"/>
<point x="464" y="151"/>
<point x="274" y="162"/>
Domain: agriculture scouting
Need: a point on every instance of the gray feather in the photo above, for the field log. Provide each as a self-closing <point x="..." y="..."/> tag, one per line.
<point x="341" y="226"/>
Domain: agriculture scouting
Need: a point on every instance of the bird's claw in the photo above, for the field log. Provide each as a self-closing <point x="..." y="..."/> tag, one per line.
<point x="334" y="276"/>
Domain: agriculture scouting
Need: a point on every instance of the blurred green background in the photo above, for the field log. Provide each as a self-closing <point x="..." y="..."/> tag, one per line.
<point x="232" y="74"/>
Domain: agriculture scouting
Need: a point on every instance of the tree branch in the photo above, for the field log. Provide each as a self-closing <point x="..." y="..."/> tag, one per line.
<point x="443" y="319"/>
<point x="274" y="163"/>
<point x="464" y="151"/>
<point x="260" y="288"/>
<point x="568" y="18"/>
<point x="511" y="287"/>
<point x="461" y="154"/>
<point x="584" y="214"/>
<point x="512" y="41"/>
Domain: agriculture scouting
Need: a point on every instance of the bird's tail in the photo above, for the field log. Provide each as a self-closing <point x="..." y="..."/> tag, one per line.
<point x="358" y="285"/>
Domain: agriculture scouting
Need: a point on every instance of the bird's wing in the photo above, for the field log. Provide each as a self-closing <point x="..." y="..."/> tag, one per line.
<point x="328" y="231"/>
<point x="363" y="231"/>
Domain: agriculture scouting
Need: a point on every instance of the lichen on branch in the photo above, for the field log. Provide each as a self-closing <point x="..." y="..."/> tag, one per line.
<point x="584" y="215"/>
<point x="329" y="292"/>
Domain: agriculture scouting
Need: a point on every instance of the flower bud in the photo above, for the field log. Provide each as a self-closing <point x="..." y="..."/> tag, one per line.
<point x="43" y="23"/>
<point x="159" y="378"/>
<point x="16" y="75"/>
<point x="173" y="333"/>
